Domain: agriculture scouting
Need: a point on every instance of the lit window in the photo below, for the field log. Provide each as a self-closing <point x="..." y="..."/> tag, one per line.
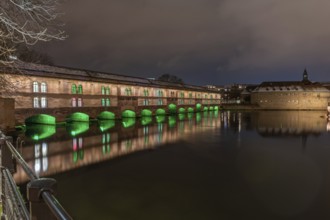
<point x="74" y="89"/>
<point x="103" y="90"/>
<point x="107" y="91"/>
<point x="43" y="102"/>
<point x="80" y="89"/>
<point x="36" y="102"/>
<point x="74" y="102"/>
<point x="107" y="102"/>
<point x="103" y="102"/>
<point x="43" y="87"/>
<point x="35" y="87"/>
<point x="79" y="102"/>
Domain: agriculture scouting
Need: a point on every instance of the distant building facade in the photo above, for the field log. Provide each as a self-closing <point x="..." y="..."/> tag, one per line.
<point x="291" y="95"/>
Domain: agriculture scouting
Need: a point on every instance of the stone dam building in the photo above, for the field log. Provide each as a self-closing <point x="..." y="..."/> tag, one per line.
<point x="64" y="93"/>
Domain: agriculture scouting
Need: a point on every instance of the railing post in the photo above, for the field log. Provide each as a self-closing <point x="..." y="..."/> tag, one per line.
<point x="6" y="155"/>
<point x="38" y="208"/>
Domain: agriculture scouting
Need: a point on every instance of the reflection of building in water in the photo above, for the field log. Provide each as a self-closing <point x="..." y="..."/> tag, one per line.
<point x="64" y="153"/>
<point x="288" y="123"/>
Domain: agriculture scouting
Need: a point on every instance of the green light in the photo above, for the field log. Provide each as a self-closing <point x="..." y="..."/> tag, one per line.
<point x="190" y="110"/>
<point x="172" y="108"/>
<point x="128" y="122"/>
<point x="171" y="121"/>
<point x="146" y="120"/>
<point x="146" y="112"/>
<point x="181" y="117"/>
<point x="211" y="108"/>
<point x="41" y="119"/>
<point x="77" y="128"/>
<point x="39" y="132"/>
<point x="190" y="115"/>
<point x="216" y="108"/>
<point x="160" y="118"/>
<point x="78" y="117"/>
<point x="128" y="114"/>
<point x="160" y="111"/>
<point x="182" y="110"/>
<point x="198" y="107"/>
<point x="105" y="125"/>
<point x="106" y="115"/>
<point x="205" y="108"/>
<point x="198" y="117"/>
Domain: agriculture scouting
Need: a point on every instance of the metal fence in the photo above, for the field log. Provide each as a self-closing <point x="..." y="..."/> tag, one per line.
<point x="40" y="191"/>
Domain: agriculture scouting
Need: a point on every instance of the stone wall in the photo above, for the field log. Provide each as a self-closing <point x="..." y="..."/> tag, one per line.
<point x="291" y="100"/>
<point x="7" y="114"/>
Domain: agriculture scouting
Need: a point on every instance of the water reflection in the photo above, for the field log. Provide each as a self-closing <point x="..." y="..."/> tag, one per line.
<point x="81" y="144"/>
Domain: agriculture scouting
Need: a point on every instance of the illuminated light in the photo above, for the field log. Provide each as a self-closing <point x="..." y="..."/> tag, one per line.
<point x="160" y="111"/>
<point x="216" y="108"/>
<point x="205" y="108"/>
<point x="198" y="117"/>
<point x="211" y="108"/>
<point x="198" y="107"/>
<point x="128" y="122"/>
<point x="172" y="108"/>
<point x="146" y="112"/>
<point x="146" y="120"/>
<point x="41" y="119"/>
<point x="190" y="115"/>
<point x="75" y="156"/>
<point x="190" y="110"/>
<point x="182" y="110"/>
<point x="181" y="117"/>
<point x="77" y="128"/>
<point x="78" y="117"/>
<point x="128" y="114"/>
<point x="171" y="121"/>
<point x="105" y="125"/>
<point x="106" y="115"/>
<point x="160" y="118"/>
<point x="38" y="131"/>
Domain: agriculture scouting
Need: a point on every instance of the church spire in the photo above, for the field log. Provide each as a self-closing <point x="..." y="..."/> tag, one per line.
<point x="305" y="76"/>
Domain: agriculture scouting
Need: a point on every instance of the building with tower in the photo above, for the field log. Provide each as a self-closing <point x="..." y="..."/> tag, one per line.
<point x="291" y="95"/>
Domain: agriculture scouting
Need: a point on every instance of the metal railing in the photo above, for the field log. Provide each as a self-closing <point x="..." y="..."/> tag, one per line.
<point x="40" y="191"/>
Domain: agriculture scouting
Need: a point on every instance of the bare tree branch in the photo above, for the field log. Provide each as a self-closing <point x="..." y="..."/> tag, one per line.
<point x="26" y="22"/>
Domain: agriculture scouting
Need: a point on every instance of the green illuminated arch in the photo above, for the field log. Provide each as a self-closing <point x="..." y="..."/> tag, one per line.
<point x="128" y="122"/>
<point x="160" y="118"/>
<point x="38" y="132"/>
<point x="198" y="117"/>
<point x="145" y="120"/>
<point x="77" y="128"/>
<point x="190" y="110"/>
<point x="211" y="108"/>
<point x="172" y="108"/>
<point x="106" y="115"/>
<point x="182" y="110"/>
<point x="78" y="117"/>
<point x="198" y="107"/>
<point x="181" y="117"/>
<point x="41" y="119"/>
<point x="171" y="121"/>
<point x="105" y="125"/>
<point x="216" y="108"/>
<point x="128" y="114"/>
<point x="205" y="108"/>
<point x="160" y="111"/>
<point x="146" y="112"/>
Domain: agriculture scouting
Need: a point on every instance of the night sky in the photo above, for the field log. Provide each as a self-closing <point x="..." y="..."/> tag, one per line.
<point x="202" y="41"/>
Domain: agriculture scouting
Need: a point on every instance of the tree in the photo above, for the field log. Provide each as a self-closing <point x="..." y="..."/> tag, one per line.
<point x="170" y="78"/>
<point x="25" y="22"/>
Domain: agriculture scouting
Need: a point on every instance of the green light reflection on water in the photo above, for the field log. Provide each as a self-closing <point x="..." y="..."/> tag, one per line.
<point x="38" y="132"/>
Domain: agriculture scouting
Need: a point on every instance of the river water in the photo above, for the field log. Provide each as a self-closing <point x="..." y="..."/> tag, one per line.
<point x="212" y="165"/>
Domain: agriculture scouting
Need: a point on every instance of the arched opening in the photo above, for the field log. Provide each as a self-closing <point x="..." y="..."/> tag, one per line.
<point x="41" y="119"/>
<point x="106" y="115"/>
<point x="172" y="108"/>
<point x="77" y="116"/>
<point x="128" y="114"/>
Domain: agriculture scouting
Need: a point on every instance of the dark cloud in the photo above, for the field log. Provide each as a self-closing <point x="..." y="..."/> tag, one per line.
<point x="201" y="41"/>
